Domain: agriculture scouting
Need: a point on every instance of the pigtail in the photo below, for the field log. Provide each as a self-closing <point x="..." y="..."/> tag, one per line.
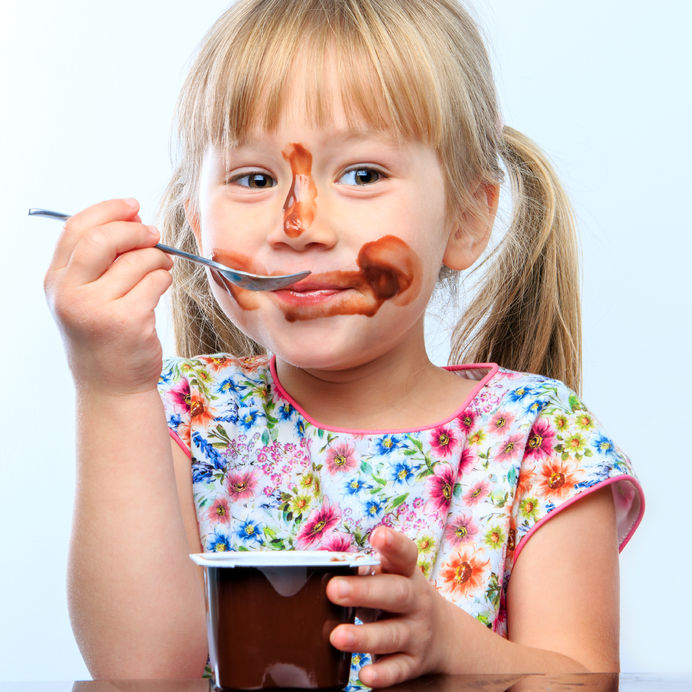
<point x="526" y="314"/>
<point x="199" y="324"/>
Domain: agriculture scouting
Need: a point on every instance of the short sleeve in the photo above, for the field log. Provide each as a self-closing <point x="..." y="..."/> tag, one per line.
<point x="174" y="388"/>
<point x="569" y="455"/>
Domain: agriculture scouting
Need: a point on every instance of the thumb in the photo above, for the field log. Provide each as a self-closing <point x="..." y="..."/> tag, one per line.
<point x="398" y="553"/>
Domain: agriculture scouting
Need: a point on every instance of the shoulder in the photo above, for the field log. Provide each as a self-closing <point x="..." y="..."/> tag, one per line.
<point x="193" y="389"/>
<point x="551" y="450"/>
<point x="567" y="456"/>
<point x="527" y="398"/>
<point x="533" y="392"/>
<point x="211" y="367"/>
<point x="511" y="400"/>
<point x="562" y="428"/>
<point x="210" y="376"/>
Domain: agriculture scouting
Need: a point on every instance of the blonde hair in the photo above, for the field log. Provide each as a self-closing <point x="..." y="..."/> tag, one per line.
<point x="417" y="68"/>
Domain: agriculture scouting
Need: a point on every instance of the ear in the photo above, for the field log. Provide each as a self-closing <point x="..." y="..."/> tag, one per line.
<point x="471" y="231"/>
<point x="192" y="216"/>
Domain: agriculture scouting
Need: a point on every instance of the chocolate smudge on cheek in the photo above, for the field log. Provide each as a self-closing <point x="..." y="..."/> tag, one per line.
<point x="389" y="270"/>
<point x="299" y="207"/>
<point x="245" y="298"/>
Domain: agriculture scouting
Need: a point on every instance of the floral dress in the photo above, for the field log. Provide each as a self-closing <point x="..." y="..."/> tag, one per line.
<point x="470" y="490"/>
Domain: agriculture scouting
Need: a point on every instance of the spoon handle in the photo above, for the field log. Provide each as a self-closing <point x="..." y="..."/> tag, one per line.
<point x="49" y="214"/>
<point x="197" y="258"/>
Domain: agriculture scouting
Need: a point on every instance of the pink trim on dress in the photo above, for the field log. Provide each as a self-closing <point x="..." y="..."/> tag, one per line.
<point x="626" y="501"/>
<point x="492" y="371"/>
<point x="176" y="438"/>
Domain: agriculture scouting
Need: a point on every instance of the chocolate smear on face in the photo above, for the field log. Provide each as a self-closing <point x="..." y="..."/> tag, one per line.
<point x="245" y="298"/>
<point x="299" y="207"/>
<point x="387" y="266"/>
<point x="389" y="270"/>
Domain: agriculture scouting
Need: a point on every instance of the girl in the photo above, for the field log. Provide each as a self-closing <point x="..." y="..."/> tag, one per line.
<point x="359" y="140"/>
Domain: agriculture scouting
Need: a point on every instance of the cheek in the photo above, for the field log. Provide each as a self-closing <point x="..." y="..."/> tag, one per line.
<point x="209" y="232"/>
<point x="223" y="297"/>
<point x="240" y="297"/>
<point x="225" y="226"/>
<point x="244" y="316"/>
<point x="392" y="270"/>
<point x="432" y="260"/>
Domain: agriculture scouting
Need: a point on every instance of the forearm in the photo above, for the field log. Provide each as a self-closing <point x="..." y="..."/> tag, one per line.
<point x="473" y="648"/>
<point x="135" y="599"/>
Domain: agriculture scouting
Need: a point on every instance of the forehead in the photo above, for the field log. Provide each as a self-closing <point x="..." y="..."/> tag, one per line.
<point x="323" y="106"/>
<point x="322" y="96"/>
<point x="325" y="89"/>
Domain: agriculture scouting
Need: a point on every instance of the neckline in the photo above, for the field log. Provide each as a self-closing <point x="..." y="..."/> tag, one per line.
<point x="492" y="368"/>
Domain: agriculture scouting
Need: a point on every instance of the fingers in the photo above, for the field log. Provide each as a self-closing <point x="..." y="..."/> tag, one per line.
<point x="391" y="641"/>
<point x="389" y="670"/>
<point x="405" y="639"/>
<point x="105" y="241"/>
<point x="390" y="592"/>
<point x="99" y="247"/>
<point x="138" y="277"/>
<point x="398" y="553"/>
<point x="146" y="294"/>
<point x="130" y="268"/>
<point x="393" y="588"/>
<point x="105" y="269"/>
<point x="129" y="291"/>
<point x="105" y="280"/>
<point x="91" y="217"/>
<point x="385" y="637"/>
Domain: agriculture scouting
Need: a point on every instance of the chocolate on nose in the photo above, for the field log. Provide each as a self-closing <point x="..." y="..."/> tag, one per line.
<point x="300" y="206"/>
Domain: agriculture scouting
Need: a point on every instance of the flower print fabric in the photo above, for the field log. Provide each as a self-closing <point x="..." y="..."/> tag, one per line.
<point x="470" y="491"/>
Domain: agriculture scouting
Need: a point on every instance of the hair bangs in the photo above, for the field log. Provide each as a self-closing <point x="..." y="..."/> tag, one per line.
<point x="385" y="77"/>
<point x="389" y="85"/>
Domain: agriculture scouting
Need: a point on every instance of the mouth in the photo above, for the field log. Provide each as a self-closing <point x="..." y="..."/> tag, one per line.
<point x="312" y="291"/>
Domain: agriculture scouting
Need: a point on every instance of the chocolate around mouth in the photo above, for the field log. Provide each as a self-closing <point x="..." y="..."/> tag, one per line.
<point x="245" y="298"/>
<point x="389" y="270"/>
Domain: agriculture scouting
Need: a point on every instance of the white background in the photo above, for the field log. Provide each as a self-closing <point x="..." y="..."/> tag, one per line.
<point x="603" y="86"/>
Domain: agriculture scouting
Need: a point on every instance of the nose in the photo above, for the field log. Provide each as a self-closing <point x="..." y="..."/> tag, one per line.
<point x="318" y="235"/>
<point x="302" y="227"/>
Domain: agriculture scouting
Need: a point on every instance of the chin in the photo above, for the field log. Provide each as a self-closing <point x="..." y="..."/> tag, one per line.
<point x="326" y="357"/>
<point x="328" y="350"/>
<point x="326" y="363"/>
<point x="334" y="343"/>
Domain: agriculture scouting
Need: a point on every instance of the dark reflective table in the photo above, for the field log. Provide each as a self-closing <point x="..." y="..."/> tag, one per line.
<point x="583" y="682"/>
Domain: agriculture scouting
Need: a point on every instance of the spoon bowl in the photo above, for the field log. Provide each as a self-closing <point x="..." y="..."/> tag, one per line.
<point x="253" y="282"/>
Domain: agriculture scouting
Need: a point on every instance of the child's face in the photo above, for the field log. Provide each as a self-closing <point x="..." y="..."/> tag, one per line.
<point x="365" y="214"/>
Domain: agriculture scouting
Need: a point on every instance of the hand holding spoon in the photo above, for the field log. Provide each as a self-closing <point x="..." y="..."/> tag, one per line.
<point x="253" y="282"/>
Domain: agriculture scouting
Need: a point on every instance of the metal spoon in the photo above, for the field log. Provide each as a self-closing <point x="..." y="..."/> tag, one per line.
<point x="253" y="282"/>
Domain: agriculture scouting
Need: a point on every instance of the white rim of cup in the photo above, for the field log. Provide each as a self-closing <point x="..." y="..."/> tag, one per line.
<point x="283" y="558"/>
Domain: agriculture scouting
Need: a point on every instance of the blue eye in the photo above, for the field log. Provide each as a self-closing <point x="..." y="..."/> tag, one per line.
<point x="255" y="181"/>
<point x="361" y="176"/>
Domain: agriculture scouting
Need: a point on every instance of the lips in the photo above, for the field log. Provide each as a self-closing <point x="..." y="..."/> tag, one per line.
<point x="388" y="270"/>
<point x="322" y="282"/>
<point x="313" y="291"/>
<point x="307" y="299"/>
